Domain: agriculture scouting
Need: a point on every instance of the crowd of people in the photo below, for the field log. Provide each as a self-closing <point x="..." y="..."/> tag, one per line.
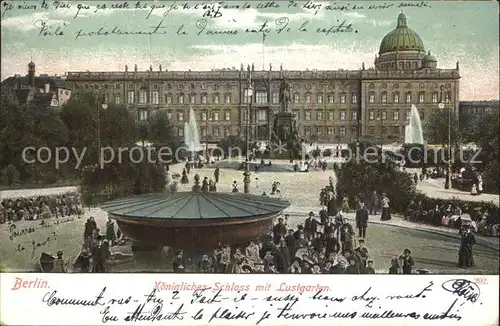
<point x="325" y="243"/>
<point x="314" y="247"/>
<point x="480" y="220"/>
<point x="41" y="207"/>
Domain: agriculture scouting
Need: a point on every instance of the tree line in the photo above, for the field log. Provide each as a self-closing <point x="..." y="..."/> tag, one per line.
<point x="74" y="125"/>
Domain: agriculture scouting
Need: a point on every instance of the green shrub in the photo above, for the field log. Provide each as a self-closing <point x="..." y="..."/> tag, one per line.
<point x="120" y="179"/>
<point x="49" y="178"/>
<point x="360" y="179"/>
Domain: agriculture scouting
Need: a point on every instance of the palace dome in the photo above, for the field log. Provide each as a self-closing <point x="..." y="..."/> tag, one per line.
<point x="402" y="39"/>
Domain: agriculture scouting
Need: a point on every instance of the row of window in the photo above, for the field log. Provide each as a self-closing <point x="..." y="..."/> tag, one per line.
<point x="261" y="97"/>
<point x="210" y="116"/>
<point x="307" y="130"/>
<point x="153" y="86"/>
<point x="215" y="131"/>
<point x="319" y="130"/>
<point x="169" y="98"/>
<point x="262" y="115"/>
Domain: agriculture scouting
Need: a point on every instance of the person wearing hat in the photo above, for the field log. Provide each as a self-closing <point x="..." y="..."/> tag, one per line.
<point x="99" y="256"/>
<point x="362" y="253"/>
<point x="362" y="220"/>
<point x="468" y="240"/>
<point x="406" y="261"/>
<point x="310" y="226"/>
<point x="59" y="263"/>
<point x="279" y="231"/>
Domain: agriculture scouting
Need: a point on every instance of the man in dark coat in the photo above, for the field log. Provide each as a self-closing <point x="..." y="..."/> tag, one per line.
<point x="331" y="244"/>
<point x="90" y="227"/>
<point x="310" y="226"/>
<point x="290" y="242"/>
<point x="465" y="257"/>
<point x="283" y="258"/>
<point x="99" y="256"/>
<point x="346" y="237"/>
<point x="331" y="205"/>
<point x="279" y="231"/>
<point x="437" y="216"/>
<point x="110" y="231"/>
<point x="217" y="174"/>
<point x="362" y="252"/>
<point x="362" y="220"/>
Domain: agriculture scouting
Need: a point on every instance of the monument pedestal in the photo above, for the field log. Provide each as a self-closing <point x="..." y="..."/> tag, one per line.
<point x="284" y="125"/>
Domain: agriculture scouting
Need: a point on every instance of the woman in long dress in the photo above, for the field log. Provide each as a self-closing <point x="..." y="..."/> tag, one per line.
<point x="386" y="209"/>
<point x="184" y="178"/>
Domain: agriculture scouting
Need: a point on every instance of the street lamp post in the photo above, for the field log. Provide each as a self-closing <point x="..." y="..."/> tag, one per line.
<point x="207" y="157"/>
<point x="379" y="118"/>
<point x="441" y="105"/>
<point x="104" y="106"/>
<point x="246" y="174"/>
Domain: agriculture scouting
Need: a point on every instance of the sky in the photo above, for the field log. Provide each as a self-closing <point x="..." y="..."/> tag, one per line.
<point x="467" y="32"/>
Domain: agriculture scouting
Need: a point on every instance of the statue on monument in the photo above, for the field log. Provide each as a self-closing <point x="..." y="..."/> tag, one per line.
<point x="135" y="67"/>
<point x="126" y="68"/>
<point x="285" y="97"/>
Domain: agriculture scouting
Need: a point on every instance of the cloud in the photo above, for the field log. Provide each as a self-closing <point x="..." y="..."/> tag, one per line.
<point x="31" y="22"/>
<point x="380" y="22"/>
<point x="354" y="15"/>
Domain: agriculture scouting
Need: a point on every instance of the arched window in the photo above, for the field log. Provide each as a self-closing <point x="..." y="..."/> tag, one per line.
<point x="383" y="97"/>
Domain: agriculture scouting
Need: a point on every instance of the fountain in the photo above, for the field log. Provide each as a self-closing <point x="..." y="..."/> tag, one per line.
<point x="191" y="136"/>
<point x="413" y="130"/>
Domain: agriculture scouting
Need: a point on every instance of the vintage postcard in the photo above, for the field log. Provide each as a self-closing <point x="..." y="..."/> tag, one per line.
<point x="249" y="162"/>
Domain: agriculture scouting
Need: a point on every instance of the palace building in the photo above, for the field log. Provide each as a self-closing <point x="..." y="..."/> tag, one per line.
<point x="330" y="106"/>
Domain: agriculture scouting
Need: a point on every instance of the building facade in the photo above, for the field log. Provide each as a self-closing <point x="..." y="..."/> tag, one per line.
<point x="468" y="110"/>
<point x="330" y="106"/>
<point x="24" y="89"/>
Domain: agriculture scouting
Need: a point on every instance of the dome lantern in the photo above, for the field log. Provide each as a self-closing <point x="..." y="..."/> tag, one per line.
<point x="402" y="21"/>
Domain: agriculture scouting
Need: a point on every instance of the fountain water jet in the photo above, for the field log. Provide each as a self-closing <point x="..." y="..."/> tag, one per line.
<point x="413" y="130"/>
<point x="191" y="136"/>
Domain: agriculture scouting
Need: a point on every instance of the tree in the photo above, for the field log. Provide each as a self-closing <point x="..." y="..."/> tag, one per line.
<point x="9" y="175"/>
<point x="436" y="128"/>
<point x="81" y="115"/>
<point x="32" y="125"/>
<point x="360" y="179"/>
<point x="484" y="131"/>
<point x="232" y="145"/>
